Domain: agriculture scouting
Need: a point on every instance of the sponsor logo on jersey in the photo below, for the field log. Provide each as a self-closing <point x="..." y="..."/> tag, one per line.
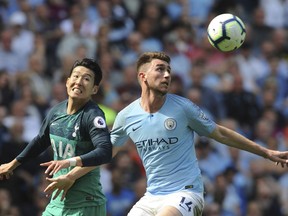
<point x="99" y="122"/>
<point x="170" y="124"/>
<point x="156" y="144"/>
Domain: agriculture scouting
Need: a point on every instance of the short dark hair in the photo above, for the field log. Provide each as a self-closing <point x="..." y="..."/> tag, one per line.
<point x="92" y="65"/>
<point x="147" y="57"/>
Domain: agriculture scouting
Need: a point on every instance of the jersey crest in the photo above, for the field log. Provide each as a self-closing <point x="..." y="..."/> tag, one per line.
<point x="76" y="128"/>
<point x="170" y="124"/>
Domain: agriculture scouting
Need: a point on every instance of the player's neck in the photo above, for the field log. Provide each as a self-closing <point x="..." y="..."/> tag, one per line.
<point x="152" y="103"/>
<point x="74" y="105"/>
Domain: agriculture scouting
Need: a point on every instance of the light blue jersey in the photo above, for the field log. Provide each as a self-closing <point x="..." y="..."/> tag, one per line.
<point x="165" y="142"/>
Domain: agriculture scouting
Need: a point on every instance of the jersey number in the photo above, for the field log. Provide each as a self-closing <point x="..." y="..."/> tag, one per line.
<point x="185" y="205"/>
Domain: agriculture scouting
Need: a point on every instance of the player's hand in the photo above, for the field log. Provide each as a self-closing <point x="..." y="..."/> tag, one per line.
<point x="278" y="157"/>
<point x="6" y="171"/>
<point x="55" y="166"/>
<point x="61" y="183"/>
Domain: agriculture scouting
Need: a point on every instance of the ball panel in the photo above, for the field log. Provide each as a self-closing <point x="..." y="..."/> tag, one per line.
<point x="226" y="32"/>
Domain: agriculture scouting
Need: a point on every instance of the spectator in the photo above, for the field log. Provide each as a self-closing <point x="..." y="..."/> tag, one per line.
<point x="236" y="99"/>
<point x="211" y="100"/>
<point x="120" y="198"/>
<point x="4" y="132"/>
<point x="22" y="39"/>
<point x="7" y="94"/>
<point x="259" y="30"/>
<point x="266" y="195"/>
<point x="11" y="61"/>
<point x="20" y="112"/>
<point x="74" y="37"/>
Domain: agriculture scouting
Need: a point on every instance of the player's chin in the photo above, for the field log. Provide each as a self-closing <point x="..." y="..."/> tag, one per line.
<point x="77" y="96"/>
<point x="74" y="95"/>
<point x="164" y="91"/>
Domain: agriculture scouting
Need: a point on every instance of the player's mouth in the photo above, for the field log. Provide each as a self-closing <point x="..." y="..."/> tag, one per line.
<point x="165" y="83"/>
<point x="77" y="90"/>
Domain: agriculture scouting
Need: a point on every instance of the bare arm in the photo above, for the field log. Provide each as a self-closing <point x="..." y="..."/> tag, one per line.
<point x="236" y="140"/>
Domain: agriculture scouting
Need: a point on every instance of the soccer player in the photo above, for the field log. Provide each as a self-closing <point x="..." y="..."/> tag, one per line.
<point x="74" y="127"/>
<point x="162" y="126"/>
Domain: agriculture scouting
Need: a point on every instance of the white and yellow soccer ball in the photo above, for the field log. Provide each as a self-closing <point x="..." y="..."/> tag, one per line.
<point x="226" y="32"/>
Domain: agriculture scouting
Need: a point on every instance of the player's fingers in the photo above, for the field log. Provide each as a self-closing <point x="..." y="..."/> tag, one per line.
<point x="49" y="168"/>
<point x="50" y="180"/>
<point x="53" y="170"/>
<point x="56" y="169"/>
<point x="63" y="195"/>
<point x="282" y="162"/>
<point x="48" y="191"/>
<point x="50" y="187"/>
<point x="59" y="167"/>
<point x="46" y="163"/>
<point x="56" y="194"/>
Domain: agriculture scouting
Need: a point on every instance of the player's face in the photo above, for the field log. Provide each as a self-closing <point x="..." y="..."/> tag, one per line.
<point x="80" y="85"/>
<point x="158" y="76"/>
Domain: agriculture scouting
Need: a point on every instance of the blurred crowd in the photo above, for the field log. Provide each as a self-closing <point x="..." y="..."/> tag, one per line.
<point x="245" y="90"/>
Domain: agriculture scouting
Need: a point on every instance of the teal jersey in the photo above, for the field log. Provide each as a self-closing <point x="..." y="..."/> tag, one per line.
<point x="73" y="135"/>
<point x="165" y="142"/>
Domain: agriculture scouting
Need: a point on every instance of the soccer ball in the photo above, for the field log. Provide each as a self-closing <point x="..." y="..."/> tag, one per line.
<point x="226" y="32"/>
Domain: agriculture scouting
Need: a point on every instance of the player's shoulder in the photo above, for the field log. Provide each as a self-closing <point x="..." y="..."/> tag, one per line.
<point x="180" y="103"/>
<point x="173" y="98"/>
<point x="92" y="113"/>
<point x="59" y="107"/>
<point x="92" y="108"/>
<point x="134" y="105"/>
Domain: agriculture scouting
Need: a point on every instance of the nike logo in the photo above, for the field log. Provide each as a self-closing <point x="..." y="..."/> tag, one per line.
<point x="134" y="129"/>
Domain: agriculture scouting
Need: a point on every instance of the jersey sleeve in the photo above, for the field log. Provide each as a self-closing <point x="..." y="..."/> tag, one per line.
<point x="197" y="120"/>
<point x="39" y="144"/>
<point x="96" y="126"/>
<point x="118" y="135"/>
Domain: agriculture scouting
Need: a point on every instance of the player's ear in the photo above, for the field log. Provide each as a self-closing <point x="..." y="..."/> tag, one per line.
<point x="67" y="80"/>
<point x="142" y="76"/>
<point x="95" y="89"/>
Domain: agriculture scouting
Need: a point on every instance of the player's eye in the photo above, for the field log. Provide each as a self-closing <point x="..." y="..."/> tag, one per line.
<point x="87" y="79"/>
<point x="163" y="70"/>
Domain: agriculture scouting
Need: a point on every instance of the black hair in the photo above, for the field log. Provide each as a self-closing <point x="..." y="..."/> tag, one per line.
<point x="92" y="65"/>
